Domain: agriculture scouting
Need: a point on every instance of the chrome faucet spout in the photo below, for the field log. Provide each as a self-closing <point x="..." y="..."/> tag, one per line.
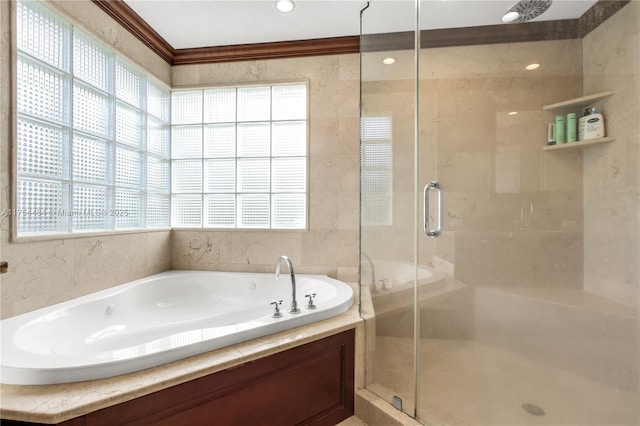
<point x="294" y="303"/>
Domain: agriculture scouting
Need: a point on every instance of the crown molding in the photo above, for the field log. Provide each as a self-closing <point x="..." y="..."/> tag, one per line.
<point x="282" y="49"/>
<point x="132" y="22"/>
<point x="511" y="33"/>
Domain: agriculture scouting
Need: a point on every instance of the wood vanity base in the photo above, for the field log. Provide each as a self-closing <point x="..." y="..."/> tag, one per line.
<point x="312" y="384"/>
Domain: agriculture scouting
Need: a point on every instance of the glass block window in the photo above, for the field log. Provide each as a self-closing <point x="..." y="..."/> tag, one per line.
<point x="239" y="157"/>
<point x="93" y="133"/>
<point x="377" y="172"/>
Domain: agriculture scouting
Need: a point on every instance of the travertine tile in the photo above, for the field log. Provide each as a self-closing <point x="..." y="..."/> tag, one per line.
<point x="611" y="184"/>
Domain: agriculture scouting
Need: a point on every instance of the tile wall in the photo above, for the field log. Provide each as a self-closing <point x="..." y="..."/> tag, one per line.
<point x="612" y="171"/>
<point x="512" y="213"/>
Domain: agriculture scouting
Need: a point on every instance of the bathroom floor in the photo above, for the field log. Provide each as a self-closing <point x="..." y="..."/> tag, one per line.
<point x="352" y="421"/>
<point x="469" y="383"/>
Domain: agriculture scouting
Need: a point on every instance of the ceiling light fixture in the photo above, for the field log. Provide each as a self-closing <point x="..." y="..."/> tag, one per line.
<point x="389" y="61"/>
<point x="513" y="113"/>
<point x="510" y="16"/>
<point x="526" y="10"/>
<point x="532" y="67"/>
<point x="285" y="5"/>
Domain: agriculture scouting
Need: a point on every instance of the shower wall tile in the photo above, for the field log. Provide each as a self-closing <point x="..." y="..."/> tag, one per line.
<point x="42" y="273"/>
<point x="506" y="201"/>
<point x="503" y="60"/>
<point x="562" y="172"/>
<point x="522" y="259"/>
<point x="330" y="245"/>
<point x="561" y="87"/>
<point x="512" y="213"/>
<point x="509" y="127"/>
<point x="611" y="171"/>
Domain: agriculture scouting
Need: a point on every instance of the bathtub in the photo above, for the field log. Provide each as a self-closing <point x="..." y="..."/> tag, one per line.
<point x="155" y="320"/>
<point x="395" y="276"/>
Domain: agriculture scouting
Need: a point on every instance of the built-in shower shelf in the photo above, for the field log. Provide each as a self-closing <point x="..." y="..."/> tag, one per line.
<point x="576" y="105"/>
<point x="583" y="101"/>
<point x="579" y="145"/>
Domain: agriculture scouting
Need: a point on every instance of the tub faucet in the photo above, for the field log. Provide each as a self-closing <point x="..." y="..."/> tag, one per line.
<point x="294" y="304"/>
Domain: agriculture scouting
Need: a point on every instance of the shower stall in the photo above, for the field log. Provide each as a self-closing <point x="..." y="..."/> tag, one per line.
<point x="500" y="275"/>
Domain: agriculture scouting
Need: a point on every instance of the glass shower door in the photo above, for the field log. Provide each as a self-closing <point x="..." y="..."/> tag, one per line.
<point x="518" y="322"/>
<point x="388" y="201"/>
<point x="517" y="302"/>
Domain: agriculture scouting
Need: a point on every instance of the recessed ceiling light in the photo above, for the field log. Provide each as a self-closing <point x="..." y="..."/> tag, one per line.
<point x="285" y="5"/>
<point x="389" y="61"/>
<point x="531" y="67"/>
<point x="510" y="16"/>
<point x="513" y="112"/>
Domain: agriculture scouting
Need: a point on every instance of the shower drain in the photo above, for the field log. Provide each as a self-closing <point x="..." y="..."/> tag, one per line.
<point x="533" y="409"/>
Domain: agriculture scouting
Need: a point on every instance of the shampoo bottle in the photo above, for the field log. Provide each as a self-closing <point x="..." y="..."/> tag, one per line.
<point x="571" y="127"/>
<point x="591" y="125"/>
<point x="560" y="129"/>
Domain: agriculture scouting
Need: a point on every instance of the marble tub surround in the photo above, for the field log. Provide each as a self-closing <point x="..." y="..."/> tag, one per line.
<point x="47" y="272"/>
<point x="57" y="403"/>
<point x="248" y="251"/>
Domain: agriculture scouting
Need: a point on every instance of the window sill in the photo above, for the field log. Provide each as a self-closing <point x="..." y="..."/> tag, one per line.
<point x="52" y="237"/>
<point x="201" y="229"/>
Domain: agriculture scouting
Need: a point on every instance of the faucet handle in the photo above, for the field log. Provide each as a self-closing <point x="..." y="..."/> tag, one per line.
<point x="276" y="305"/>
<point x="311" y="296"/>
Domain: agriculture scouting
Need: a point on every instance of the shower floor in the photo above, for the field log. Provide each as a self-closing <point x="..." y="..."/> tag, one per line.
<point x="465" y="382"/>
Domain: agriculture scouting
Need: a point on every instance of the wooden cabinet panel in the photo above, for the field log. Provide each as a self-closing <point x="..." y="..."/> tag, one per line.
<point x="312" y="384"/>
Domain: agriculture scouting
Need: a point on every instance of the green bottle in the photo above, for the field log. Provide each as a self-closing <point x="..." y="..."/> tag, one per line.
<point x="571" y="127"/>
<point x="560" y="130"/>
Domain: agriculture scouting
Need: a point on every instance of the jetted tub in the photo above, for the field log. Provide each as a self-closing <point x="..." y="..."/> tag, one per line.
<point x="395" y="276"/>
<point x="155" y="320"/>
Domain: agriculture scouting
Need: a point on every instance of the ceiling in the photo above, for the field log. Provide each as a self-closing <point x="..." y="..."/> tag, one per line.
<point x="207" y="23"/>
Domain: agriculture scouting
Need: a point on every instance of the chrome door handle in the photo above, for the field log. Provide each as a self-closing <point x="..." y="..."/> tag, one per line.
<point x="432" y="233"/>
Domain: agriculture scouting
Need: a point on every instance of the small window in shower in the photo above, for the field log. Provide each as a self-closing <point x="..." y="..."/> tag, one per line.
<point x="239" y="157"/>
<point x="376" y="161"/>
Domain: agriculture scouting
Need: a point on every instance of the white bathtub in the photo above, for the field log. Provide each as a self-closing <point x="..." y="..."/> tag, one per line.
<point x="394" y="276"/>
<point x="155" y="320"/>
